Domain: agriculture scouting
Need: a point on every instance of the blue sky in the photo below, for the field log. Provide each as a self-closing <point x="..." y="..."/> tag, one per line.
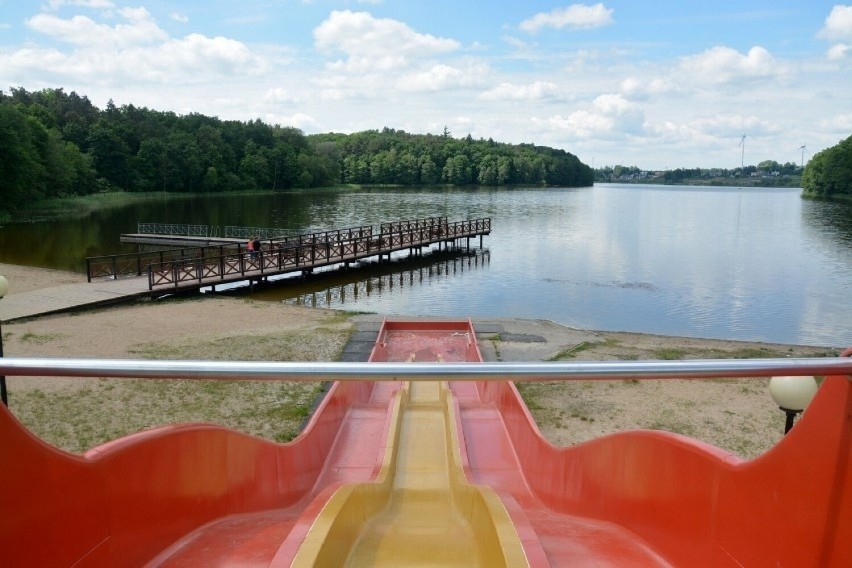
<point x="658" y="85"/>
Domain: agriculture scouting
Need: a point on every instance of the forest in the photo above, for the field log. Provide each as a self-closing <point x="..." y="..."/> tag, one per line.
<point x="829" y="173"/>
<point x="57" y="144"/>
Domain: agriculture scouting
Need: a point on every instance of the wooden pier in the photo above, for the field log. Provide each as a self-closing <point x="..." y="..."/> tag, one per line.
<point x="193" y="267"/>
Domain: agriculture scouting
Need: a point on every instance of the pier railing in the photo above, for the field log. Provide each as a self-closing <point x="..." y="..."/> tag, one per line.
<point x="415" y="224"/>
<point x="331" y="237"/>
<point x="173" y="266"/>
<point x="304" y="252"/>
<point x="230" y="231"/>
<point x="235" y="232"/>
<point x="176" y="229"/>
<point x="136" y="263"/>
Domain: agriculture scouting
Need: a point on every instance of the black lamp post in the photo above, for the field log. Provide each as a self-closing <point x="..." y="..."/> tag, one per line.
<point x="4" y="286"/>
<point x="792" y="395"/>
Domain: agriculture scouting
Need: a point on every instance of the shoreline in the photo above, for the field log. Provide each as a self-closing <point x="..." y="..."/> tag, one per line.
<point x="23" y="278"/>
<point x="79" y="413"/>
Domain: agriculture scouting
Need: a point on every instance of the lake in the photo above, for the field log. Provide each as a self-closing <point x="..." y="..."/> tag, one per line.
<point x="748" y="264"/>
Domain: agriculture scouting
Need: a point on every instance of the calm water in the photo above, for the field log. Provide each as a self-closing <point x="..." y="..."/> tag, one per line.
<point x="704" y="262"/>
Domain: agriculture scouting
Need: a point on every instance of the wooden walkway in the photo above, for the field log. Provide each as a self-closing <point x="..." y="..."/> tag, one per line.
<point x="195" y="267"/>
<point x="303" y="255"/>
<point x="125" y="277"/>
<point x="71" y="296"/>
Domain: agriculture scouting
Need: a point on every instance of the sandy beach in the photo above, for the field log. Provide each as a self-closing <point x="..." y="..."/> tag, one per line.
<point x="76" y="414"/>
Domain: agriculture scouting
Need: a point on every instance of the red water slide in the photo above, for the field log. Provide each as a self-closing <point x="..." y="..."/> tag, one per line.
<point x="183" y="495"/>
<point x="199" y="495"/>
<point x="649" y="498"/>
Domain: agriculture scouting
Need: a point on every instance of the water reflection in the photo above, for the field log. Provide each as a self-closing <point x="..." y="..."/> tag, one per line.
<point x="829" y="221"/>
<point x="373" y="281"/>
<point x="827" y="240"/>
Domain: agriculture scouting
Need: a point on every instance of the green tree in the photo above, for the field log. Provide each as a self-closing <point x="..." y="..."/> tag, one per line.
<point x="155" y="169"/>
<point x="488" y="171"/>
<point x="429" y="172"/>
<point x="457" y="170"/>
<point x="829" y="173"/>
<point x="254" y="167"/>
<point x="110" y="154"/>
<point x="769" y="166"/>
<point x="22" y="174"/>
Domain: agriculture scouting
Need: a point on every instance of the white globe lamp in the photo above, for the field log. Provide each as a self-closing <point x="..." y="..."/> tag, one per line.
<point x="792" y="395"/>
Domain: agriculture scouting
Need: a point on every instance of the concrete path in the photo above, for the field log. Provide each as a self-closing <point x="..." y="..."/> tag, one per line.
<point x="70" y="296"/>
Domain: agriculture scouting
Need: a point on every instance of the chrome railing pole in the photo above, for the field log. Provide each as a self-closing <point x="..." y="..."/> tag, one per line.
<point x="537" y="371"/>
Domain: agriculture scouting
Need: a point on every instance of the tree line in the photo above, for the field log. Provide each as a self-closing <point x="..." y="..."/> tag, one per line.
<point x="765" y="169"/>
<point x="829" y="173"/>
<point x="56" y="144"/>
<point x="396" y="157"/>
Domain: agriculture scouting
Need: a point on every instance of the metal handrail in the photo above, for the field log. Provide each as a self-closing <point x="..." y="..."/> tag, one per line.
<point x="173" y="229"/>
<point x="537" y="371"/>
<point x="235" y="231"/>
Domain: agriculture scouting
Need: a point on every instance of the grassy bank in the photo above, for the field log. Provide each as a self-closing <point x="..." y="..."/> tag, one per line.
<point x="75" y="205"/>
<point x="81" y="204"/>
<point x="78" y="414"/>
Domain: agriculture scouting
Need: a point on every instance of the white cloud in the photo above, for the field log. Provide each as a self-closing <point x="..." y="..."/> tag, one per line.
<point x="96" y="4"/>
<point x="838" y="27"/>
<point x="610" y="116"/>
<point x="838" y="51"/>
<point x="575" y="16"/>
<point x="437" y="78"/>
<point x="615" y="105"/>
<point x="838" y="24"/>
<point x="840" y="124"/>
<point x="332" y="94"/>
<point x="358" y="64"/>
<point x="299" y="120"/>
<point x="441" y="77"/>
<point x="197" y="54"/>
<point x="129" y="53"/>
<point x="732" y="126"/>
<point x="370" y="43"/>
<point x="279" y="95"/>
<point x="581" y="124"/>
<point x="642" y="89"/>
<point x="720" y="65"/>
<point x="516" y="43"/>
<point x="140" y="29"/>
<point x="178" y="17"/>
<point x="51" y="62"/>
<point x="536" y="91"/>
